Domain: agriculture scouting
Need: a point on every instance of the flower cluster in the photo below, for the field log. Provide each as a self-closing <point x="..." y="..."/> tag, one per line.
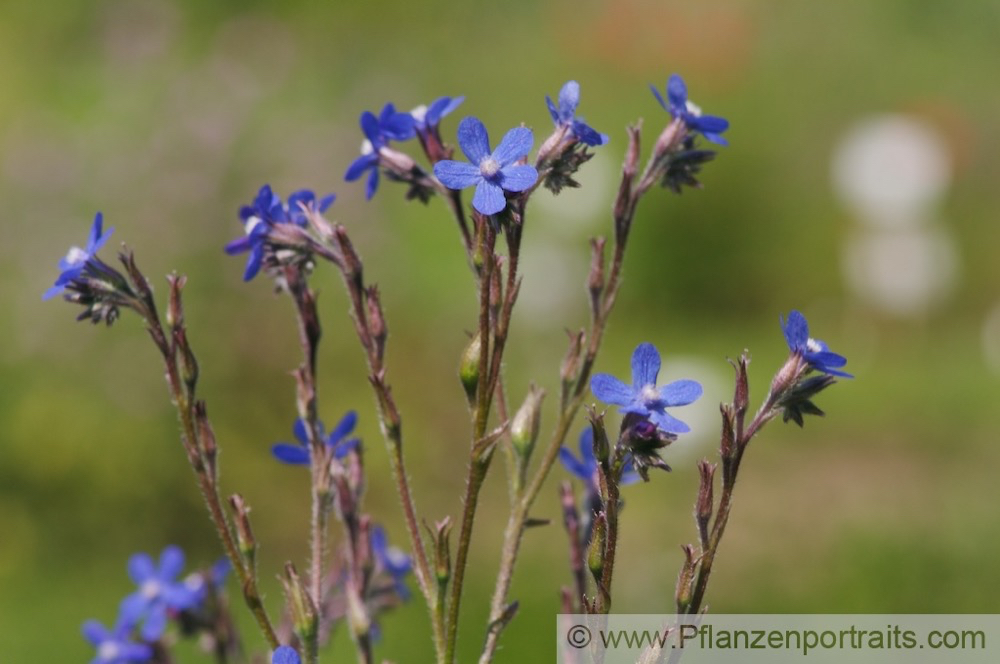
<point x="336" y="441"/>
<point x="160" y="596"/>
<point x="265" y="218"/>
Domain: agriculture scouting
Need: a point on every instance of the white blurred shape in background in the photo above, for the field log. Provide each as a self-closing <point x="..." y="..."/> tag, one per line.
<point x="891" y="171"/>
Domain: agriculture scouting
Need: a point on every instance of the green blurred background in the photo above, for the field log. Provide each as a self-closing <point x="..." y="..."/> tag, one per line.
<point x="169" y="115"/>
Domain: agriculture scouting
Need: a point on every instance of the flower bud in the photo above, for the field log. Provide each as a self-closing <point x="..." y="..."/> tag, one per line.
<point x="704" y="505"/>
<point x="524" y="428"/>
<point x="245" y="540"/>
<point x="468" y="370"/>
<point x="300" y="605"/>
<point x="685" y="580"/>
<point x="598" y="542"/>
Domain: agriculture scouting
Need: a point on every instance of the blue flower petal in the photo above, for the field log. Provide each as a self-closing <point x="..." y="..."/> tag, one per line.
<point x="285" y="655"/>
<point x="342" y="449"/>
<point x="680" y="393"/>
<point x="667" y="422"/>
<point x="456" y="174"/>
<point x="587" y="135"/>
<point x="300" y="431"/>
<point x="370" y="128"/>
<point x="659" y="97"/>
<point x="95" y="632"/>
<point x="237" y="246"/>
<point x="254" y="262"/>
<point x="344" y="427"/>
<point x="171" y="563"/>
<point x="473" y="139"/>
<point x="399" y="127"/>
<point x="140" y="568"/>
<point x="677" y="93"/>
<point x="569" y="99"/>
<point x="155" y="623"/>
<point x="293" y="454"/>
<point x="360" y="165"/>
<point x="518" y="177"/>
<point x="553" y="111"/>
<point x="796" y="330"/>
<point x="489" y="198"/>
<point x="326" y="202"/>
<point x="132" y="608"/>
<point x="645" y="366"/>
<point x="372" y="183"/>
<point x="574" y="465"/>
<point x="609" y="389"/>
<point x="516" y="143"/>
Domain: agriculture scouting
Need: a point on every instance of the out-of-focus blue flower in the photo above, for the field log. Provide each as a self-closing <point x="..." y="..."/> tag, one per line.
<point x="426" y="118"/>
<point x="299" y="454"/>
<point x="586" y="466"/>
<point x="565" y="115"/>
<point x="285" y="655"/>
<point x="390" y="125"/>
<point x="71" y="266"/>
<point x="815" y="352"/>
<point x="114" y="646"/>
<point x="492" y="172"/>
<point x="261" y="216"/>
<point x="392" y="560"/>
<point x="643" y="397"/>
<point x="678" y="105"/>
<point x="158" y="592"/>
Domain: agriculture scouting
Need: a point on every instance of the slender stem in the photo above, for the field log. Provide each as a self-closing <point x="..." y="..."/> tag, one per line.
<point x="206" y="482"/>
<point x="478" y="466"/>
<point x="625" y="208"/>
<point x="390" y="422"/>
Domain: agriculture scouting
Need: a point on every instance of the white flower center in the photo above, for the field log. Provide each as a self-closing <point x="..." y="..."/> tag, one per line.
<point x="813" y="346"/>
<point x="108" y="651"/>
<point x="367" y="147"/>
<point x="649" y="393"/>
<point x="693" y="108"/>
<point x="419" y="113"/>
<point x="489" y="167"/>
<point x="76" y="255"/>
<point x="252" y="223"/>
<point x="150" y="589"/>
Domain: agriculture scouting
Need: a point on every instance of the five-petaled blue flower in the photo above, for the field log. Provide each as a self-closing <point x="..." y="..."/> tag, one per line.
<point x="709" y="126"/>
<point x="565" y="115"/>
<point x="261" y="216"/>
<point x="114" y="646"/>
<point x="426" y="118"/>
<point x="815" y="352"/>
<point x="299" y="454"/>
<point x="393" y="561"/>
<point x="586" y="466"/>
<point x="285" y="655"/>
<point x="491" y="172"/>
<point x="158" y="592"/>
<point x="643" y="397"/>
<point x="390" y="125"/>
<point x="76" y="260"/>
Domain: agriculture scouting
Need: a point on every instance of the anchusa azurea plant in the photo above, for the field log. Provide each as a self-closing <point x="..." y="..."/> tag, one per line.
<point x="351" y="584"/>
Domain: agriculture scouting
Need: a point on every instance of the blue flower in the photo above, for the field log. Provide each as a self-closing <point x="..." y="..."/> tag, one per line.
<point x="491" y="172"/>
<point x="586" y="466"/>
<point x="158" y="592"/>
<point x="816" y="353"/>
<point x="643" y="397"/>
<point x="285" y="655"/>
<point x="565" y="115"/>
<point x="393" y="561"/>
<point x="260" y="217"/>
<point x="378" y="131"/>
<point x="114" y="646"/>
<point x="709" y="126"/>
<point x="299" y="454"/>
<point x="427" y="118"/>
<point x="72" y="266"/>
